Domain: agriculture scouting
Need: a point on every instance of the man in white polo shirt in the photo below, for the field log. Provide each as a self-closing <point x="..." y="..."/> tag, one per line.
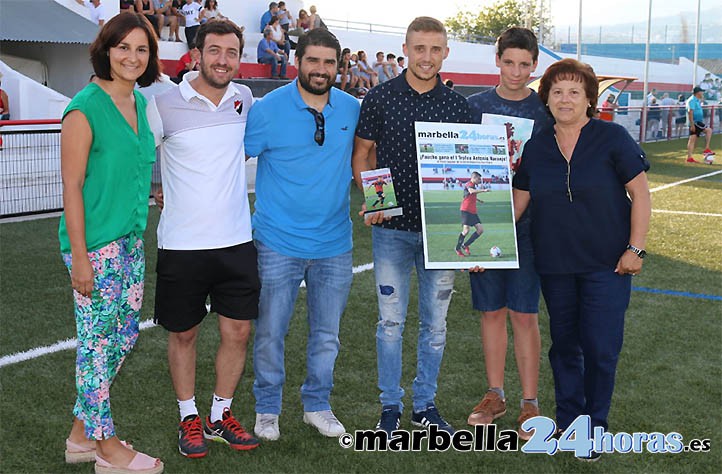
<point x="97" y="11"/>
<point x="204" y="235"/>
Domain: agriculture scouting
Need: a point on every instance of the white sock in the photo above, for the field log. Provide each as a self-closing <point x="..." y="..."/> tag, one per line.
<point x="219" y="406"/>
<point x="187" y="407"/>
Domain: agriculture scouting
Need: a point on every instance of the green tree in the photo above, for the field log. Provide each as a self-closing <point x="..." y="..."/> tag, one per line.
<point x="486" y="25"/>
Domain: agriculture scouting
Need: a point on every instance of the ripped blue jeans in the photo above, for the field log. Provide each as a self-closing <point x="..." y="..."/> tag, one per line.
<point x="396" y="252"/>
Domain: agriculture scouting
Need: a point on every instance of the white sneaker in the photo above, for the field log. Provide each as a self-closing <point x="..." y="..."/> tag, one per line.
<point x="325" y="422"/>
<point x="267" y="426"/>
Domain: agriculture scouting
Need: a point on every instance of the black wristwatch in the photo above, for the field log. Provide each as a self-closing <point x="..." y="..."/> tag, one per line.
<point x="640" y="252"/>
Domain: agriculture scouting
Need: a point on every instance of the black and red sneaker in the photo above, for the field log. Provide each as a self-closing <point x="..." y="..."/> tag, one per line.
<point x="228" y="430"/>
<point x="191" y="442"/>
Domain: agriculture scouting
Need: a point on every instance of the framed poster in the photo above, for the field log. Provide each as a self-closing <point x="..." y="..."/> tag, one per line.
<point x="466" y="201"/>
<point x="379" y="193"/>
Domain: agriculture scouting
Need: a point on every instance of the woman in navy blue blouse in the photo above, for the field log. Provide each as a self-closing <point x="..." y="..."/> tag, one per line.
<point x="586" y="178"/>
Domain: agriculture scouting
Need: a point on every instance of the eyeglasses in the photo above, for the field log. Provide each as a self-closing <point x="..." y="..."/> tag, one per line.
<point x="320" y="134"/>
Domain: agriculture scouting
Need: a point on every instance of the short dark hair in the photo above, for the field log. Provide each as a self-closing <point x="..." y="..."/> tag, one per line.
<point x="223" y="27"/>
<point x="474" y="174"/>
<point x="390" y="56"/>
<point x="400" y="58"/>
<point x="520" y="38"/>
<point x="272" y="4"/>
<point x="318" y="37"/>
<point x="110" y="36"/>
<point x="425" y="24"/>
<point x="571" y="70"/>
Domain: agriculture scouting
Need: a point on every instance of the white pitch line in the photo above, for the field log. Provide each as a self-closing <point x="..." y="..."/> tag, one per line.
<point x="688" y="213"/>
<point x="72" y="343"/>
<point x="57" y="347"/>
<point x="677" y="183"/>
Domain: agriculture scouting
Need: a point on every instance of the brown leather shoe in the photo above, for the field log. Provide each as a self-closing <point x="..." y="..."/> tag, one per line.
<point x="491" y="407"/>
<point x="528" y="410"/>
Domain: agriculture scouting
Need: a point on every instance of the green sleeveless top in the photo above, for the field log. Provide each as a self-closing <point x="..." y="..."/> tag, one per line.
<point x="117" y="177"/>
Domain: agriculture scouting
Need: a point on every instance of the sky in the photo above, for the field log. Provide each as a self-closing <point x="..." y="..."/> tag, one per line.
<point x="564" y="12"/>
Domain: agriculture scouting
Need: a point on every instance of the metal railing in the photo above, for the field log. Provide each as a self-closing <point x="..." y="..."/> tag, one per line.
<point x="30" y="180"/>
<point x="365" y="27"/>
<point x="664" y="122"/>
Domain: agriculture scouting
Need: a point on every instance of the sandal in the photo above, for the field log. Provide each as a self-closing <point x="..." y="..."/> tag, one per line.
<point x="141" y="464"/>
<point x="75" y="453"/>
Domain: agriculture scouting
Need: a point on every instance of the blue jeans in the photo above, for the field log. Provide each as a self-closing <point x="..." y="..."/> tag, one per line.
<point x="395" y="253"/>
<point x="586" y="321"/>
<point x="328" y="281"/>
<point x="273" y="61"/>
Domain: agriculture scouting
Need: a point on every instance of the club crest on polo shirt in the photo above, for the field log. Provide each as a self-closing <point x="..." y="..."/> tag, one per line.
<point x="238" y="105"/>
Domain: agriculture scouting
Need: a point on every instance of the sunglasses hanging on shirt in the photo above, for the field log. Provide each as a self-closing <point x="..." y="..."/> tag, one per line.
<point x="320" y="134"/>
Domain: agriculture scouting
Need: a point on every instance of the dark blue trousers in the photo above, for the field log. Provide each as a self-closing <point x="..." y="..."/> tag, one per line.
<point x="586" y="320"/>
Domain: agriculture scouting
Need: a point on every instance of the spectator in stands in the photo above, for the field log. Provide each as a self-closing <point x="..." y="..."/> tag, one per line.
<point x="353" y="66"/>
<point x="680" y="115"/>
<point x="145" y="7"/>
<point x="166" y="16"/>
<point x="393" y="68"/>
<point x="278" y="35"/>
<point x="101" y="239"/>
<point x="304" y="20"/>
<point x="706" y="84"/>
<point x="268" y="53"/>
<point x="344" y="76"/>
<point x="379" y="66"/>
<point x="211" y="12"/>
<point x="667" y="104"/>
<point x="286" y="20"/>
<point x="654" y="115"/>
<point x="266" y="17"/>
<point x="401" y="61"/>
<point x="98" y="15"/>
<point x="187" y="62"/>
<point x="365" y="71"/>
<point x="191" y="11"/>
<point x="651" y="95"/>
<point x="4" y="104"/>
<point x="609" y="108"/>
<point x="697" y="126"/>
<point x="127" y="5"/>
<point x="284" y="17"/>
<point x="315" y="20"/>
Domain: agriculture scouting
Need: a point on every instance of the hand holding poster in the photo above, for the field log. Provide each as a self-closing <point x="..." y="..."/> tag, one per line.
<point x="465" y="187"/>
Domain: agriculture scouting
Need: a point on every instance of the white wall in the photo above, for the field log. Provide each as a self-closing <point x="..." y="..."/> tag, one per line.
<point x="29" y="99"/>
<point x="68" y="65"/>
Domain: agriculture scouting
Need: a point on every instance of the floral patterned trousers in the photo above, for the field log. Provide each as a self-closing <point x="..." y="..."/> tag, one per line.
<point x="107" y="325"/>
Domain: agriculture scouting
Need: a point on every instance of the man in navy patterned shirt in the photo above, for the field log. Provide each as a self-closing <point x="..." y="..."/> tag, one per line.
<point x="387" y="120"/>
<point x="496" y="292"/>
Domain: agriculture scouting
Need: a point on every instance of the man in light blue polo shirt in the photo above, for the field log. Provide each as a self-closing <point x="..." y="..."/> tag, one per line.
<point x="302" y="227"/>
<point x="267" y="52"/>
